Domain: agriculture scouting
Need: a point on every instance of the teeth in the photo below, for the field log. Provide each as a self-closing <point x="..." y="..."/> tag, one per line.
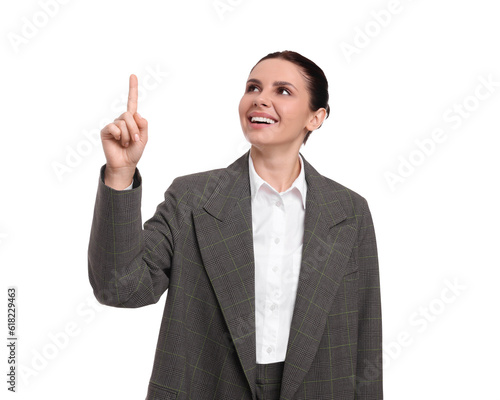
<point x="262" y="119"/>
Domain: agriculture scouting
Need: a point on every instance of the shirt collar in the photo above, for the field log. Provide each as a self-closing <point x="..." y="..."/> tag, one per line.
<point x="256" y="181"/>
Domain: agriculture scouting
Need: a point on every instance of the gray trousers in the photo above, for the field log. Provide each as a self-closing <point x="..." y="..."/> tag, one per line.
<point x="269" y="380"/>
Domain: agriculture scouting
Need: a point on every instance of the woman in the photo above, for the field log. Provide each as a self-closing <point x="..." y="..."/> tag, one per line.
<point x="271" y="267"/>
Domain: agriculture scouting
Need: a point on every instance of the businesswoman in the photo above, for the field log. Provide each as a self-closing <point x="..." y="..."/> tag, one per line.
<point x="271" y="268"/>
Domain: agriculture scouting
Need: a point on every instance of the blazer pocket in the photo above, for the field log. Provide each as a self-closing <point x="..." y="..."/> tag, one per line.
<point x="351" y="270"/>
<point x="351" y="276"/>
<point x="157" y="392"/>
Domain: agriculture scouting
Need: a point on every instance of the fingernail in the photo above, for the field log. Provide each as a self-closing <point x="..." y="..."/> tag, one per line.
<point x="136" y="137"/>
<point x="126" y="144"/>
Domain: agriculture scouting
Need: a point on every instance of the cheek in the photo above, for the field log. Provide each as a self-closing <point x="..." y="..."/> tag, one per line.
<point x="242" y="107"/>
<point x="293" y="112"/>
<point x="287" y="112"/>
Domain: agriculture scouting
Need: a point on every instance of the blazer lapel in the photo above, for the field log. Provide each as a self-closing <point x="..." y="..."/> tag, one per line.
<point x="326" y="249"/>
<point x="224" y="232"/>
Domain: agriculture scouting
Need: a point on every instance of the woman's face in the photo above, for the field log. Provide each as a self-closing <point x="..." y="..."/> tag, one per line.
<point x="276" y="90"/>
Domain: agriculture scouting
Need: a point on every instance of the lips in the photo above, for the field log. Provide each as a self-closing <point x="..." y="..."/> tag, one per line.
<point x="261" y="114"/>
<point x="261" y="125"/>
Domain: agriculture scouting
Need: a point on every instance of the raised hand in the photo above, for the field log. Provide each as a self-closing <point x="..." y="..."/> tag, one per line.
<point x="124" y="141"/>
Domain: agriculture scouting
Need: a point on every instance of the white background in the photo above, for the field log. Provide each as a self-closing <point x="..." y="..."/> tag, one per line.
<point x="436" y="227"/>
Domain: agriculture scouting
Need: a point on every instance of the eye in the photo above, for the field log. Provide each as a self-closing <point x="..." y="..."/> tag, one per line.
<point x="282" y="88"/>
<point x="251" y="88"/>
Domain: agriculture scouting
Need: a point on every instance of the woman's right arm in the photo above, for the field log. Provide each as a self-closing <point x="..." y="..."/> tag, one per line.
<point x="129" y="266"/>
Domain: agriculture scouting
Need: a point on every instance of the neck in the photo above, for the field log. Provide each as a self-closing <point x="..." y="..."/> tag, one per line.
<point x="279" y="169"/>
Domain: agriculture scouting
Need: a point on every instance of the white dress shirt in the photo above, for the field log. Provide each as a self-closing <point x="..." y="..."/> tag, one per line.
<point x="278" y="232"/>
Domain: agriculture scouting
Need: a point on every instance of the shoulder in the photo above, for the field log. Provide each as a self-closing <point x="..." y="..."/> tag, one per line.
<point x="344" y="193"/>
<point x="196" y="187"/>
<point x="353" y="203"/>
<point x="207" y="179"/>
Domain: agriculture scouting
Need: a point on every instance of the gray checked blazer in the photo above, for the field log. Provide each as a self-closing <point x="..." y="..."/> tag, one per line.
<point x="199" y="246"/>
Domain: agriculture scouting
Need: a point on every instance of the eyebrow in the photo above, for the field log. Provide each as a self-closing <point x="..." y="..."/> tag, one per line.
<point x="276" y="83"/>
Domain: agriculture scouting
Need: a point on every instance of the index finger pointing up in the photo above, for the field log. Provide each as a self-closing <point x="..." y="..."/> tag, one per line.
<point x="132" y="94"/>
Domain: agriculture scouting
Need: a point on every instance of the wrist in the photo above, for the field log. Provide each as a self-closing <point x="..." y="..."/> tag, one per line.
<point x="119" y="178"/>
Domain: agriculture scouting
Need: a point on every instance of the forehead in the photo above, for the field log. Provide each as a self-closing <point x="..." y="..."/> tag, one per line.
<point x="278" y="70"/>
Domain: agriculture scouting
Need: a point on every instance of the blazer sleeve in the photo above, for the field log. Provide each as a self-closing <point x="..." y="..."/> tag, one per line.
<point x="369" y="361"/>
<point x="129" y="266"/>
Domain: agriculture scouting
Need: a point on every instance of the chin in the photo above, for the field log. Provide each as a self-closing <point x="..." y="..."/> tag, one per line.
<point x="254" y="136"/>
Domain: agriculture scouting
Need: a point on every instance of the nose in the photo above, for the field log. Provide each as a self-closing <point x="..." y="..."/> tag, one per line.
<point x="261" y="100"/>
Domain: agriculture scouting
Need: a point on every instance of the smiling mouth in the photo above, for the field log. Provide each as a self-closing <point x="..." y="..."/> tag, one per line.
<point x="262" y="120"/>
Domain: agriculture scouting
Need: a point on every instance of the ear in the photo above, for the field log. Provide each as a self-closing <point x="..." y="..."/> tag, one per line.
<point x="317" y="118"/>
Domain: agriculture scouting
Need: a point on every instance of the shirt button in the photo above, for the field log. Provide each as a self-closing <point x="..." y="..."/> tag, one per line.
<point x="275" y="268"/>
<point x="277" y="294"/>
<point x="277" y="240"/>
<point x="269" y="349"/>
<point x="273" y="307"/>
<point x="278" y="203"/>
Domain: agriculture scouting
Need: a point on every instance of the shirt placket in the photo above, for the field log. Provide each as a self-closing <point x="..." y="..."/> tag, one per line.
<point x="273" y="284"/>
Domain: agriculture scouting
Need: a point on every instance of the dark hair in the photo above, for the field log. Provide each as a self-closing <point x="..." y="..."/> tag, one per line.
<point x="317" y="84"/>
